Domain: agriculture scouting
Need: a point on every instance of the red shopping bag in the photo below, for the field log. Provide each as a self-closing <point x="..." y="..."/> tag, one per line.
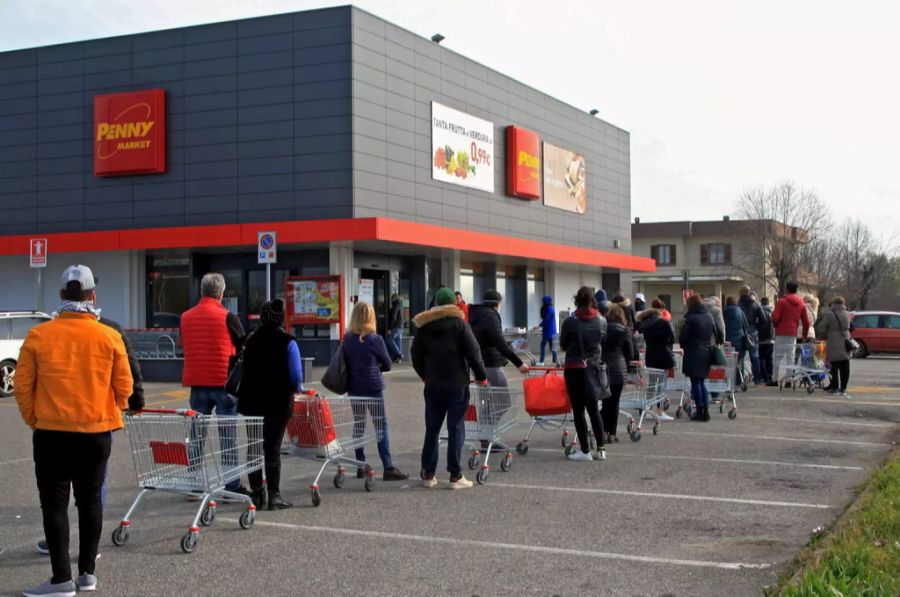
<point x="471" y="414"/>
<point x="546" y="395"/>
<point x="311" y="425"/>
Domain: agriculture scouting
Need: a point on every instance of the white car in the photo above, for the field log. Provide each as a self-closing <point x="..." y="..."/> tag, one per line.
<point x="14" y="325"/>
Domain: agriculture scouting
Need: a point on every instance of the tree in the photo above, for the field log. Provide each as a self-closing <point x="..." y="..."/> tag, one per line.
<point x="785" y="219"/>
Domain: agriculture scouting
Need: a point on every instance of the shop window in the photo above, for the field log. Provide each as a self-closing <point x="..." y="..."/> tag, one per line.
<point x="663" y="254"/>
<point x="715" y="254"/>
<point x="168" y="290"/>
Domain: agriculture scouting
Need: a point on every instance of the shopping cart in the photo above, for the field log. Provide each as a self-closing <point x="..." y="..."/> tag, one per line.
<point x="721" y="381"/>
<point x="644" y="390"/>
<point x="809" y="371"/>
<point x="523" y="343"/>
<point x="548" y="406"/>
<point x="326" y="429"/>
<point x="181" y="451"/>
<point x="491" y="413"/>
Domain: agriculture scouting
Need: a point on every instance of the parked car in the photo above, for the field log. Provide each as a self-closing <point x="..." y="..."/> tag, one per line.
<point x="14" y="325"/>
<point x="876" y="331"/>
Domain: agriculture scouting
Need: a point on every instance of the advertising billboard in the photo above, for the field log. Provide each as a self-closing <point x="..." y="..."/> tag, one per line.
<point x="312" y="300"/>
<point x="523" y="163"/>
<point x="130" y="133"/>
<point x="462" y="148"/>
<point x="564" y="179"/>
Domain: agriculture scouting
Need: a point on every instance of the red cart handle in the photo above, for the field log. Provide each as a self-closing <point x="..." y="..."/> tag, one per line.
<point x="542" y="368"/>
<point x="185" y="412"/>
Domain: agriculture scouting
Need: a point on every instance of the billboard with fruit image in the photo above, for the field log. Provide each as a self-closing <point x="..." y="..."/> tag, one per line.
<point x="462" y="148"/>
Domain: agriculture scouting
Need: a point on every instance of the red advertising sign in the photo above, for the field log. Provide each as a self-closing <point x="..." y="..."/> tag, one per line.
<point x="523" y="163"/>
<point x="38" y="257"/>
<point x="130" y="133"/>
<point x="314" y="300"/>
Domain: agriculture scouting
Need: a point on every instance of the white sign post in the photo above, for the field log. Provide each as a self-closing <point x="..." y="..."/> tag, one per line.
<point x="267" y="252"/>
<point x="37" y="259"/>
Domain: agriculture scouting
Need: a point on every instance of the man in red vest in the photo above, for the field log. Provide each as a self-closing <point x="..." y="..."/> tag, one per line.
<point x="211" y="336"/>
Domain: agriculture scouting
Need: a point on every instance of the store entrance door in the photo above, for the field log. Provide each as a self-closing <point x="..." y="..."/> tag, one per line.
<point x="381" y="296"/>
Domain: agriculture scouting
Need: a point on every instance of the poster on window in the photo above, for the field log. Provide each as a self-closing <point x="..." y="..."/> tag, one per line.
<point x="313" y="300"/>
<point x="462" y="148"/>
<point x="565" y="186"/>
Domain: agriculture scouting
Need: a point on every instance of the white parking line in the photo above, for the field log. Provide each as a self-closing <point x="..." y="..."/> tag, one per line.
<point x="848" y="402"/>
<point x="668" y="496"/>
<point x="15" y="461"/>
<point x="819" y="421"/>
<point x="600" y="555"/>
<point x="780" y="438"/>
<point x="835" y="467"/>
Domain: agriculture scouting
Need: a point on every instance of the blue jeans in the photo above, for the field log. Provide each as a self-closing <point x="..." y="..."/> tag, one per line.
<point x="395" y="343"/>
<point x="699" y="393"/>
<point x="439" y="404"/>
<point x="544" y="342"/>
<point x="375" y="407"/>
<point x="203" y="400"/>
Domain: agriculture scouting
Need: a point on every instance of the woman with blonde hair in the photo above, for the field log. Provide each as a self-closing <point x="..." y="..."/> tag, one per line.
<point x="366" y="356"/>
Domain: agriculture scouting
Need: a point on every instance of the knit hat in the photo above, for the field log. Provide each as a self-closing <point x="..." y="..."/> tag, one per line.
<point x="444" y="296"/>
<point x="491" y="297"/>
<point x="602" y="301"/>
<point x="272" y="313"/>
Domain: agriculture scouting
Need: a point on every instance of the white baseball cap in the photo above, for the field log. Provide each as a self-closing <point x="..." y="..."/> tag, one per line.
<point x="81" y="274"/>
<point x="640" y="296"/>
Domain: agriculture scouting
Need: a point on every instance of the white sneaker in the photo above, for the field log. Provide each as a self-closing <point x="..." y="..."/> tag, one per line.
<point x="579" y="455"/>
<point x="461" y="483"/>
<point x="601" y="454"/>
<point x="86" y="582"/>
<point x="429" y="483"/>
<point x="664" y="417"/>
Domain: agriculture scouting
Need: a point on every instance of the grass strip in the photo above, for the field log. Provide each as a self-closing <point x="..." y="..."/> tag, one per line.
<point x="861" y="554"/>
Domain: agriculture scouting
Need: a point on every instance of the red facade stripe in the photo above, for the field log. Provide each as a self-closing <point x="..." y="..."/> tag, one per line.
<point x="318" y="231"/>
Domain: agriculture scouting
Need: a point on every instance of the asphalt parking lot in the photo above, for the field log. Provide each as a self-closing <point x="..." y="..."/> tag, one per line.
<point x="700" y="509"/>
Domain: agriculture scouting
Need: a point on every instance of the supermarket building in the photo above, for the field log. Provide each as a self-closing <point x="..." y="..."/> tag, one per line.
<point x="375" y="155"/>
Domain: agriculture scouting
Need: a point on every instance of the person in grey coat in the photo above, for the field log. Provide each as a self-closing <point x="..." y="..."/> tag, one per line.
<point x="834" y="327"/>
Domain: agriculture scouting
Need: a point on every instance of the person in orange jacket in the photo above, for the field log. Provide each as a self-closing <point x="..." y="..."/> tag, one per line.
<point x="789" y="315"/>
<point x="461" y="303"/>
<point x="72" y="381"/>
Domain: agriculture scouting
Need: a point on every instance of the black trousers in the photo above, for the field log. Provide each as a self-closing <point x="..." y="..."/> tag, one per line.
<point x="609" y="414"/>
<point x="840" y="375"/>
<point x="766" y="352"/>
<point x="273" y="434"/>
<point x="575" y="388"/>
<point x="77" y="460"/>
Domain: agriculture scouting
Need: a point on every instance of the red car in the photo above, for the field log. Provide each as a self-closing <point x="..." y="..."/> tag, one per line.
<point x="876" y="331"/>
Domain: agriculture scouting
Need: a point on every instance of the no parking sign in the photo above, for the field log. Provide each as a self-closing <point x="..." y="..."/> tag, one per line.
<point x="267" y="248"/>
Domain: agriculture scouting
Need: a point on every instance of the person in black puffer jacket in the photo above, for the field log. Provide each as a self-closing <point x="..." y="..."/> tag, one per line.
<point x="581" y="349"/>
<point x="698" y="333"/>
<point x="617" y="353"/>
<point x="659" y="338"/>
<point x="443" y="350"/>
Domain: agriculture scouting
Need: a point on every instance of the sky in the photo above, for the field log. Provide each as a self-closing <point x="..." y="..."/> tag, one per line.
<point x="719" y="97"/>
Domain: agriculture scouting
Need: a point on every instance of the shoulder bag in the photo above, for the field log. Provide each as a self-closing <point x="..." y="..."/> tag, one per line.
<point x="596" y="376"/>
<point x="850" y="345"/>
<point x="716" y="352"/>
<point x="236" y="371"/>
<point x="336" y="376"/>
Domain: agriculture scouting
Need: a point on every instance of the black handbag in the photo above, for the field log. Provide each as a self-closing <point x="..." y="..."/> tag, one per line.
<point x="233" y="383"/>
<point x="337" y="375"/>
<point x="596" y="375"/>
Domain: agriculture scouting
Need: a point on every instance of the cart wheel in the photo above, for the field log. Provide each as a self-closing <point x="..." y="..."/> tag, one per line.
<point x="369" y="483"/>
<point x="630" y="427"/>
<point x="506" y="463"/>
<point x="422" y="474"/>
<point x="569" y="449"/>
<point x="339" y="479"/>
<point x="481" y="476"/>
<point x="722" y="406"/>
<point x="208" y="515"/>
<point x="120" y="535"/>
<point x="248" y="517"/>
<point x="688" y="410"/>
<point x="315" y="496"/>
<point x="635" y="435"/>
<point x="564" y="440"/>
<point x="666" y="404"/>
<point x="743" y="386"/>
<point x="732" y="414"/>
<point x="474" y="461"/>
<point x="810" y="389"/>
<point x="679" y="412"/>
<point x="656" y="429"/>
<point x="522" y="448"/>
<point x="189" y="542"/>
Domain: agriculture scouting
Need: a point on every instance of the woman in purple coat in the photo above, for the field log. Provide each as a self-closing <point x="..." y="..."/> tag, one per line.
<point x="367" y="356"/>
